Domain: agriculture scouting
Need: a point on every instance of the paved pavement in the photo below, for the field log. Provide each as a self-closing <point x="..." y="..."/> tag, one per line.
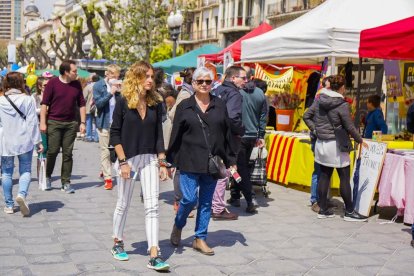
<point x="71" y="235"/>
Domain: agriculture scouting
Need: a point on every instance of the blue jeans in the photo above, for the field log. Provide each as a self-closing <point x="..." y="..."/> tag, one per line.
<point x="412" y="230"/>
<point x="25" y="169"/>
<point x="196" y="187"/>
<point x="91" y="133"/>
<point x="315" y="178"/>
<point x="314" y="186"/>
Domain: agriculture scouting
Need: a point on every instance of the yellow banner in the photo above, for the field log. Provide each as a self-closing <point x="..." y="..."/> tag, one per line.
<point x="275" y="83"/>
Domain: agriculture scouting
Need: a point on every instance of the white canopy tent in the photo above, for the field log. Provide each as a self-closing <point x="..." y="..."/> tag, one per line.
<point x="330" y="30"/>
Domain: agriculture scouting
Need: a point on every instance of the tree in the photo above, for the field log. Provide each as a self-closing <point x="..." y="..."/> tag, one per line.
<point x="3" y="54"/>
<point x="163" y="52"/>
<point x="33" y="47"/>
<point x="139" y="28"/>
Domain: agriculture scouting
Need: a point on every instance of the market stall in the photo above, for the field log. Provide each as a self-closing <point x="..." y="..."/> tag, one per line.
<point x="332" y="33"/>
<point x="186" y="60"/>
<point x="235" y="48"/>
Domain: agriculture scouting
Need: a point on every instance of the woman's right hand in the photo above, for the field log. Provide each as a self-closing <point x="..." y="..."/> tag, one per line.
<point x="125" y="171"/>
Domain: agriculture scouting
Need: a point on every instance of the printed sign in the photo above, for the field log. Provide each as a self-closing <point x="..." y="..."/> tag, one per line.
<point x="369" y="171"/>
<point x="393" y="80"/>
<point x="275" y="83"/>
<point x="371" y="83"/>
<point x="227" y="60"/>
<point x="201" y="61"/>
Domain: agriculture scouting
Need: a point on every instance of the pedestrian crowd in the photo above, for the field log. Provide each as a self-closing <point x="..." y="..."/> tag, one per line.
<point x="201" y="136"/>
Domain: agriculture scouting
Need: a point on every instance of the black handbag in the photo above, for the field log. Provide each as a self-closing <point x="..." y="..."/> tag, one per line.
<point x="342" y="137"/>
<point x="216" y="167"/>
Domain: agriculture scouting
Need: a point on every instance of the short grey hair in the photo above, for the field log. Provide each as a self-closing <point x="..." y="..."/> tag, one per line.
<point x="201" y="72"/>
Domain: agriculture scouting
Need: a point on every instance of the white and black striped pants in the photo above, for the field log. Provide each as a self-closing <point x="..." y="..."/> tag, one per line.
<point x="146" y="167"/>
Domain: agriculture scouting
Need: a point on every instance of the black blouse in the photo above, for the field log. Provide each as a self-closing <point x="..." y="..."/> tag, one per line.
<point x="187" y="149"/>
<point x="137" y="135"/>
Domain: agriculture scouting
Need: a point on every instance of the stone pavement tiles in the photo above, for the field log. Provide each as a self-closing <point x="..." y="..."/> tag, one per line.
<point x="71" y="235"/>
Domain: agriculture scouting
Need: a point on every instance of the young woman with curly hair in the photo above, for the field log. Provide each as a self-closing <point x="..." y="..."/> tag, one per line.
<point x="136" y="134"/>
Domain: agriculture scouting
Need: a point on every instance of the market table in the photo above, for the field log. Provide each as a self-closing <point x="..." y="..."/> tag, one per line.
<point x="290" y="158"/>
<point x="396" y="187"/>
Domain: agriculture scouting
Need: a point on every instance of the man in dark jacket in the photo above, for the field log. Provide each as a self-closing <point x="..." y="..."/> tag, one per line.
<point x="229" y="92"/>
<point x="254" y="113"/>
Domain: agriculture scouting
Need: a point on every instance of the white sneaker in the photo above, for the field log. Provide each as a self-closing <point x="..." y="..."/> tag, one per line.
<point x="8" y="210"/>
<point x="24" y="207"/>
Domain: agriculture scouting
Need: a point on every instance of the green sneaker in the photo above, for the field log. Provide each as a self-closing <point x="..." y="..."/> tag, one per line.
<point x="158" y="264"/>
<point x="118" y="251"/>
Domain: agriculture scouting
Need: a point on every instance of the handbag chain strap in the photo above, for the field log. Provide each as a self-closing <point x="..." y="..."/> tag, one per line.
<point x="203" y="127"/>
<point x="15" y="107"/>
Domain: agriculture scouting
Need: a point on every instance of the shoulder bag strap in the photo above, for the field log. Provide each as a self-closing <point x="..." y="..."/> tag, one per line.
<point x="203" y="127"/>
<point x="15" y="107"/>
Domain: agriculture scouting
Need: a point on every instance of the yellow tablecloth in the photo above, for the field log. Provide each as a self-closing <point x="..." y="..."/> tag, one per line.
<point x="290" y="160"/>
<point x="399" y="144"/>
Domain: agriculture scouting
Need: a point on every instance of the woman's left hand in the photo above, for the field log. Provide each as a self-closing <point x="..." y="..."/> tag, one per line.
<point x="163" y="173"/>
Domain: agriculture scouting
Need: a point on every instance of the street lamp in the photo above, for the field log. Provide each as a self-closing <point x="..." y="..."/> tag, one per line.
<point x="86" y="48"/>
<point x="52" y="57"/>
<point x="174" y="22"/>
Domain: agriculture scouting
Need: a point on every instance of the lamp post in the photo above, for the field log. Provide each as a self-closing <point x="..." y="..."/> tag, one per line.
<point x="52" y="58"/>
<point x="86" y="48"/>
<point x="174" y="22"/>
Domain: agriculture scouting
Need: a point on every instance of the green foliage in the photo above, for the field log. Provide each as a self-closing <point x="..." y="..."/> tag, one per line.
<point x="3" y="55"/>
<point x="139" y="28"/>
<point x="163" y="52"/>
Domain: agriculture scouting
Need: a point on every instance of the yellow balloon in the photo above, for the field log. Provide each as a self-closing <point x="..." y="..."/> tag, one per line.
<point x="31" y="80"/>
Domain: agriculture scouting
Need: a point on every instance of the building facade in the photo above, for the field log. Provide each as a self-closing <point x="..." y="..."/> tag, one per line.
<point x="11" y="19"/>
<point x="222" y="22"/>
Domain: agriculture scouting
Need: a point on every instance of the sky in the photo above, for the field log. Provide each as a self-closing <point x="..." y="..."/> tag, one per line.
<point x="45" y="6"/>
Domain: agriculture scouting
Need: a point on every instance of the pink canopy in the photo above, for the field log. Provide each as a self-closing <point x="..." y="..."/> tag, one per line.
<point x="235" y="47"/>
<point x="391" y="41"/>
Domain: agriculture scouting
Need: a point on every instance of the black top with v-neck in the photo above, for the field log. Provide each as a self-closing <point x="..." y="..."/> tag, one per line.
<point x="137" y="135"/>
<point x="187" y="148"/>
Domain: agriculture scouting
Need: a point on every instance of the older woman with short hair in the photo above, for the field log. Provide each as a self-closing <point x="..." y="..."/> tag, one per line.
<point x="188" y="151"/>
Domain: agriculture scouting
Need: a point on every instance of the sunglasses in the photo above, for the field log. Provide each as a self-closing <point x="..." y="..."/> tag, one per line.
<point x="200" y="82"/>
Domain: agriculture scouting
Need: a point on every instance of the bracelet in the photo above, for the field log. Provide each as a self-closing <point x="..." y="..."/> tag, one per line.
<point x="83" y="123"/>
<point x="123" y="163"/>
<point x="163" y="163"/>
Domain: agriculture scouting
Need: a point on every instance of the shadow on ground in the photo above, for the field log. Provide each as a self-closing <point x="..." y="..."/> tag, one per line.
<point x="48" y="206"/>
<point x="220" y="238"/>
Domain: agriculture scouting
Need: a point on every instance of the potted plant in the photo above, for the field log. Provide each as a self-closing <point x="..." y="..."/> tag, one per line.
<point x="285" y="104"/>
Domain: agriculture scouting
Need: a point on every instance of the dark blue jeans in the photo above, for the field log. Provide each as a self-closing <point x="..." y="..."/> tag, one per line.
<point x="315" y="178"/>
<point x="91" y="133"/>
<point x="196" y="187"/>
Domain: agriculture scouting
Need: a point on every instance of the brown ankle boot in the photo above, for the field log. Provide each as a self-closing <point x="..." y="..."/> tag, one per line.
<point x="175" y="238"/>
<point x="201" y="246"/>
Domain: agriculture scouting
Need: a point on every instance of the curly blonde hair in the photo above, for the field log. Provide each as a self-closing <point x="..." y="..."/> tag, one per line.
<point x="133" y="85"/>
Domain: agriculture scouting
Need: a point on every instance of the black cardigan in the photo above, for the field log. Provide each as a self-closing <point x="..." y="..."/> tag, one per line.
<point x="137" y="136"/>
<point x="187" y="149"/>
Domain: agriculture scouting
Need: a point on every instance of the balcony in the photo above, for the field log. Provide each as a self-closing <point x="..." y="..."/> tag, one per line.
<point x="206" y="3"/>
<point x="197" y="36"/>
<point x="285" y="7"/>
<point x="228" y="25"/>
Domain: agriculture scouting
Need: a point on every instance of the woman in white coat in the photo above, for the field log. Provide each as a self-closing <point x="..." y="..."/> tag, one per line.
<point x="19" y="135"/>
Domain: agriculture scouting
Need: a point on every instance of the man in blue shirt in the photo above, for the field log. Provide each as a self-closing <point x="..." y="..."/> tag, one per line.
<point x="375" y="118"/>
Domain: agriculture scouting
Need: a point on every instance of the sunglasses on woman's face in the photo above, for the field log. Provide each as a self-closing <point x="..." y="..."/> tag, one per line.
<point x="200" y="82"/>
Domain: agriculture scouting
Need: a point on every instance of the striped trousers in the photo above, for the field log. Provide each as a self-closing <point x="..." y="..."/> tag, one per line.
<point x="146" y="167"/>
